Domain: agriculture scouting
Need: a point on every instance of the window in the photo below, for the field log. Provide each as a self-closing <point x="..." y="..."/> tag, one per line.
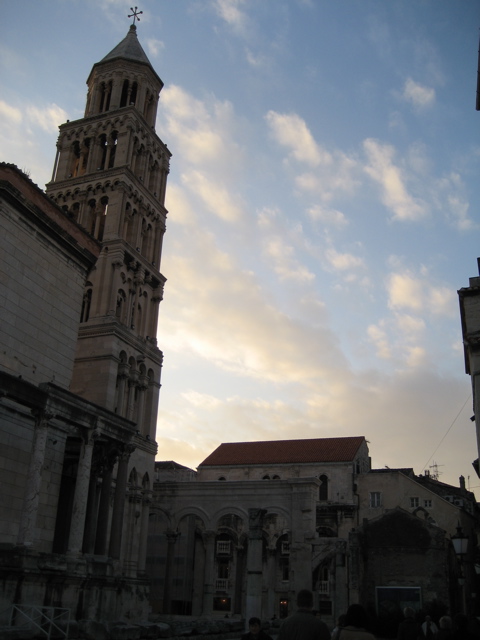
<point x="375" y="499"/>
<point x="414" y="503"/>
<point x="285" y="549"/>
<point x="427" y="503"/>
<point x="323" y="491"/>
<point x="285" y="569"/>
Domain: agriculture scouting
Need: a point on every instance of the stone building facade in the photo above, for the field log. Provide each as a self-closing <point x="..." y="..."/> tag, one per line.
<point x="79" y="362"/>
<point x="261" y="520"/>
<point x="469" y="299"/>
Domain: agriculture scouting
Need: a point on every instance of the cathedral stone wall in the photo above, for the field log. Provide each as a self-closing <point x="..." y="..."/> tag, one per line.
<point x="41" y="287"/>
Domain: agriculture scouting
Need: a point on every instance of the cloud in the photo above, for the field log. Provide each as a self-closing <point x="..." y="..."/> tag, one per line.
<point x="378" y="336"/>
<point x="391" y="179"/>
<point x="328" y="216"/>
<point x="419" y="96"/>
<point x="49" y="118"/>
<point x="155" y="46"/>
<point x="285" y="264"/>
<point x="231" y="12"/>
<point x="407" y="291"/>
<point x="213" y="196"/>
<point x="291" y="131"/>
<point x="343" y="261"/>
<point x="10" y="113"/>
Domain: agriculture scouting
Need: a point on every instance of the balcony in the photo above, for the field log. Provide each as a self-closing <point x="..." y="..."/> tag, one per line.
<point x="224" y="547"/>
<point x="221" y="584"/>
<point x="324" y="587"/>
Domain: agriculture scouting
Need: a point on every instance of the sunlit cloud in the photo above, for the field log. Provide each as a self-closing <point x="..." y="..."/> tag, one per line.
<point x="391" y="179"/>
<point x="49" y="118"/>
<point x="215" y="197"/>
<point x="291" y="131"/>
<point x="286" y="266"/>
<point x="7" y="112"/>
<point x="407" y="291"/>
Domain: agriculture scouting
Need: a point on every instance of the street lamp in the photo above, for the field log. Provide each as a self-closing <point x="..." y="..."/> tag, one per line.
<point x="460" y="546"/>
<point x="460" y="543"/>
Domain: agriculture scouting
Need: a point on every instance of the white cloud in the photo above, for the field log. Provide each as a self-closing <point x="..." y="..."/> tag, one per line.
<point x="407" y="291"/>
<point x="10" y="113"/>
<point x="291" y="131"/>
<point x="48" y="118"/>
<point x="286" y="266"/>
<point x="391" y="179"/>
<point x="328" y="216"/>
<point x="343" y="261"/>
<point x="378" y="336"/>
<point x="418" y="95"/>
<point x="214" y="197"/>
<point x="155" y="46"/>
<point x="231" y="12"/>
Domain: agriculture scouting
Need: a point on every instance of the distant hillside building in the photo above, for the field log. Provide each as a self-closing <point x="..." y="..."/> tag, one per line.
<point x="80" y="369"/>
<point x="262" y="520"/>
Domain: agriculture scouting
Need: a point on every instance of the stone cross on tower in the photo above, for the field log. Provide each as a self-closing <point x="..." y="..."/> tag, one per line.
<point x="135" y="14"/>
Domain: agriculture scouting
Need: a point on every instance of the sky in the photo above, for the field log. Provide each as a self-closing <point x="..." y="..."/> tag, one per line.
<point x="323" y="209"/>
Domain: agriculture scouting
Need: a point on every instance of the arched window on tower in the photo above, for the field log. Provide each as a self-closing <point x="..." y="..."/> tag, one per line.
<point x="101" y="216"/>
<point x="102" y="151"/>
<point x="89" y="223"/>
<point x="121" y="305"/>
<point x="86" y="304"/>
<point x="75" y="165"/>
<point x="105" y="94"/>
<point x="124" y="96"/>
<point x="133" y="94"/>
<point x="113" y="149"/>
<point x="323" y="491"/>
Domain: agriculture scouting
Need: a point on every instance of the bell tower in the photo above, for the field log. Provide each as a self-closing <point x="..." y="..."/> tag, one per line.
<point x="110" y="176"/>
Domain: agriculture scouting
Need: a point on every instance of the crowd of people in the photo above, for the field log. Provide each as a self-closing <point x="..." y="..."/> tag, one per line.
<point x="305" y="624"/>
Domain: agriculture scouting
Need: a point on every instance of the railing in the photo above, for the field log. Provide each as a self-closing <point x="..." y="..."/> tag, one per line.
<point x="324" y="587"/>
<point x="45" y="620"/>
<point x="221" y="584"/>
<point x="223" y="547"/>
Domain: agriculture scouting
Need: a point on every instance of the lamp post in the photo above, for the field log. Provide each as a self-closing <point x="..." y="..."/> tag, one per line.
<point x="460" y="546"/>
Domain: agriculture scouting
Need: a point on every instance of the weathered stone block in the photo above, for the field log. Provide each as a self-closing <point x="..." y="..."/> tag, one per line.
<point x="93" y="630"/>
<point x="125" y="632"/>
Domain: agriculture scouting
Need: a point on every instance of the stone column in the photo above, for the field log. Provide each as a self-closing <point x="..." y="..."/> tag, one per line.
<point x="271" y="580"/>
<point x="198" y="573"/>
<point x="92" y="508"/>
<point x="142" y="398"/>
<point x="28" y="518"/>
<point x="104" y="507"/>
<point x="209" y="540"/>
<point x="254" y="564"/>
<point x="167" y="590"/>
<point x="77" y="523"/>
<point x="142" y="549"/>
<point x="119" y="502"/>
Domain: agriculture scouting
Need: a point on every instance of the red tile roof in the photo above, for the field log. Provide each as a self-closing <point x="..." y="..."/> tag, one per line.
<point x="285" y="451"/>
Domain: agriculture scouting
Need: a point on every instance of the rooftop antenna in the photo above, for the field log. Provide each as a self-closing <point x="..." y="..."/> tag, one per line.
<point x="435" y="472"/>
<point x="135" y="14"/>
